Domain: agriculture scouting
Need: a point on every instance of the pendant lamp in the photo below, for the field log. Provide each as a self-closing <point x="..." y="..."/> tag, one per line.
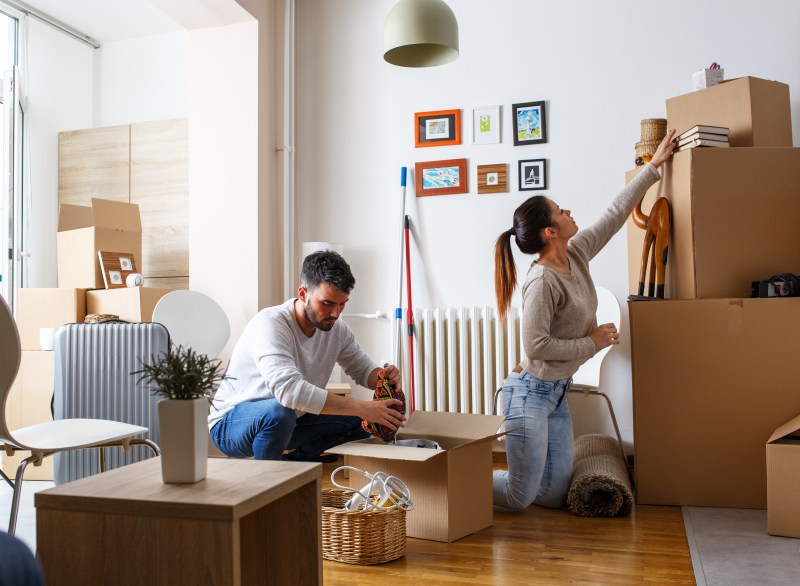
<point x="420" y="33"/>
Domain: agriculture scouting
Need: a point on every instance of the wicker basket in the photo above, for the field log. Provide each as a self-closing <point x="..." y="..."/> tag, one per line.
<point x="360" y="537"/>
<point x="653" y="130"/>
<point x="645" y="147"/>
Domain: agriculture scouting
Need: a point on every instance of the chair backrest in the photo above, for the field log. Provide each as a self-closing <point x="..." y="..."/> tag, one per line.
<point x="608" y="311"/>
<point x="10" y="357"/>
<point x="194" y="320"/>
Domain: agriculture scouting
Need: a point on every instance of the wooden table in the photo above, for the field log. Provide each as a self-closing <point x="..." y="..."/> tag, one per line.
<point x="248" y="522"/>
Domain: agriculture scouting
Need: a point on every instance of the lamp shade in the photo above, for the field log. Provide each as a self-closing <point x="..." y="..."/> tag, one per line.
<point x="420" y="33"/>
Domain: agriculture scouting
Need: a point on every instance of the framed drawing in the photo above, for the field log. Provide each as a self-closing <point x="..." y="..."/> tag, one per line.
<point x="116" y="266"/>
<point x="486" y="125"/>
<point x="492" y="178"/>
<point x="530" y="123"/>
<point x="441" y="177"/>
<point x="440" y="128"/>
<point x="532" y="174"/>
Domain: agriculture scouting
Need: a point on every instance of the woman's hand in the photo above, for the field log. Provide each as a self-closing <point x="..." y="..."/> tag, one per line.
<point x="664" y="150"/>
<point x="604" y="335"/>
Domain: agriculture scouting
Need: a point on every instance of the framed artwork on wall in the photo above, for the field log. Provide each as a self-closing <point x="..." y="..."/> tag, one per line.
<point x="532" y="174"/>
<point x="486" y="125"/>
<point x="441" y="177"/>
<point x="530" y="123"/>
<point x="492" y="178"/>
<point x="440" y="128"/>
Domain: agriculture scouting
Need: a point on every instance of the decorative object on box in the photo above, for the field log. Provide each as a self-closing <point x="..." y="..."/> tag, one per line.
<point x="420" y="33"/>
<point x="178" y="311"/>
<point x="530" y="123"/>
<point x="486" y="125"/>
<point x="383" y="392"/>
<point x="440" y="128"/>
<point x="98" y="318"/>
<point x="441" y="177"/>
<point x="704" y="78"/>
<point x="116" y="267"/>
<point x="653" y="131"/>
<point x="703" y="135"/>
<point x="656" y="244"/>
<point x="600" y="485"/>
<point x="187" y="381"/>
<point x="492" y="178"/>
<point x="134" y="280"/>
<point x="44" y="439"/>
<point x="780" y="285"/>
<point x="532" y="174"/>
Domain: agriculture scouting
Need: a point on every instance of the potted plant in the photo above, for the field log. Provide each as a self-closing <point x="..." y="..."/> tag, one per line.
<point x="187" y="381"/>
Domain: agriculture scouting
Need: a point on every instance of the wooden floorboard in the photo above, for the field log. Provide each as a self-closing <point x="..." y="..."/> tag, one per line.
<point x="540" y="546"/>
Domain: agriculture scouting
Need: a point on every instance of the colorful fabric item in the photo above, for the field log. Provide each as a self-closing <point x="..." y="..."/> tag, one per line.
<point x="383" y="392"/>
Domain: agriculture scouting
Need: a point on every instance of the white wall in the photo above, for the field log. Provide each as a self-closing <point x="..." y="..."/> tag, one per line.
<point x="600" y="66"/>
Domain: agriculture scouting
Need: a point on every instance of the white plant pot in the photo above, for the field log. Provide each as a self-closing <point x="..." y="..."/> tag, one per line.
<point x="183" y="426"/>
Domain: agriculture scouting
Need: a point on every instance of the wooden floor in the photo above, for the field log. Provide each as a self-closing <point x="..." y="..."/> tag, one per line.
<point x="540" y="546"/>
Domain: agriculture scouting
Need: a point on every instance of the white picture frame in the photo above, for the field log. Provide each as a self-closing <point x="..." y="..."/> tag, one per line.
<point x="486" y="123"/>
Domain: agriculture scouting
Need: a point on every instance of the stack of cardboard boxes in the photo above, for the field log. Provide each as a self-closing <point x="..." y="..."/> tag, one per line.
<point x="715" y="372"/>
<point x="82" y="231"/>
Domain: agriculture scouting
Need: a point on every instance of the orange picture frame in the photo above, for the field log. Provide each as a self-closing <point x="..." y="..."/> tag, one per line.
<point x="441" y="177"/>
<point x="437" y="128"/>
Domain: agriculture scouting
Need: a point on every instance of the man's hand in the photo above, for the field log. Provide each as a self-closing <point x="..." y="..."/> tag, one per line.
<point x="392" y="373"/>
<point x="380" y="413"/>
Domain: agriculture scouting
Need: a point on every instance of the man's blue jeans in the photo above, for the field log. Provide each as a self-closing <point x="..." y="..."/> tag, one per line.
<point x="539" y="444"/>
<point x="264" y="429"/>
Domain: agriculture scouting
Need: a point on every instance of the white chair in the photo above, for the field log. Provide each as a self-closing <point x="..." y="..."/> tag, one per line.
<point x="193" y="320"/>
<point x="45" y="439"/>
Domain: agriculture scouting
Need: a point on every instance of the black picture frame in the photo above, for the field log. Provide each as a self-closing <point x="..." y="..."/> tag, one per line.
<point x="530" y="123"/>
<point x="532" y="174"/>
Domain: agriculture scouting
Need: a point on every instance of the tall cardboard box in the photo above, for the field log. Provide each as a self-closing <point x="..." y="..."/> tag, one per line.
<point x="757" y="111"/>
<point x="734" y="220"/>
<point x="712" y="380"/>
<point x="83" y="231"/>
<point x="47" y="308"/>
<point x="783" y="480"/>
<point x="28" y="403"/>
<point x="451" y="488"/>
<point x="134" y="304"/>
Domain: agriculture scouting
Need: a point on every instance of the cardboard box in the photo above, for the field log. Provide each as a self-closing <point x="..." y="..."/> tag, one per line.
<point x="712" y="379"/>
<point x="111" y="226"/>
<point x="756" y="111"/>
<point x="734" y="220"/>
<point x="783" y="480"/>
<point x="134" y="304"/>
<point x="47" y="308"/>
<point x="451" y="488"/>
<point x="28" y="403"/>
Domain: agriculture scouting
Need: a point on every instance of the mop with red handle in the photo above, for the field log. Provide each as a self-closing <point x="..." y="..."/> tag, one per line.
<point x="407" y="231"/>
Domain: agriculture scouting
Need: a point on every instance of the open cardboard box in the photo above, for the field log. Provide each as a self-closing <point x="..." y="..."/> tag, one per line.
<point x="451" y="488"/>
<point x="783" y="480"/>
<point x="110" y="226"/>
<point x="134" y="304"/>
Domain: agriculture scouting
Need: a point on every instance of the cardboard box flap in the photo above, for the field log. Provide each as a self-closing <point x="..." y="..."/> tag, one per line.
<point x="790" y="429"/>
<point x="74" y="217"/>
<point x="377" y="449"/>
<point x="460" y="426"/>
<point x="116" y="215"/>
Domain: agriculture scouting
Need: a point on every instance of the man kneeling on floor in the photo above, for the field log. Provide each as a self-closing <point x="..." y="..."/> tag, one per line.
<point x="273" y="396"/>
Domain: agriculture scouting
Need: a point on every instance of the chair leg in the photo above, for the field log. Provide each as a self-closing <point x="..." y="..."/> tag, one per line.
<point x="12" y="521"/>
<point x="102" y="459"/>
<point x="494" y="404"/>
<point x="146" y="442"/>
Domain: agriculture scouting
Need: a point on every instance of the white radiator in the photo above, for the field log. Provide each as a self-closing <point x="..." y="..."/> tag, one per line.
<point x="461" y="357"/>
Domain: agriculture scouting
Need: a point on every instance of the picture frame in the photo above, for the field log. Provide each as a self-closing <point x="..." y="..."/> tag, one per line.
<point x="441" y="177"/>
<point x="438" y="128"/>
<point x="486" y="125"/>
<point x="116" y="266"/>
<point x="532" y="174"/>
<point x="530" y="123"/>
<point x="493" y="178"/>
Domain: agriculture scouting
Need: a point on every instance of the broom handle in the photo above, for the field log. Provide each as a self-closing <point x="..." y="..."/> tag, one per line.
<point x="397" y="329"/>
<point x="407" y="231"/>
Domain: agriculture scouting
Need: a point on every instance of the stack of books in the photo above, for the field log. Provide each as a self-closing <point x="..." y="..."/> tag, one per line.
<point x="703" y="136"/>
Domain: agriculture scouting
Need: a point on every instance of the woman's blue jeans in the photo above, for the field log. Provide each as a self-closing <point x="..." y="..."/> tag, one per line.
<point x="539" y="443"/>
<point x="264" y="429"/>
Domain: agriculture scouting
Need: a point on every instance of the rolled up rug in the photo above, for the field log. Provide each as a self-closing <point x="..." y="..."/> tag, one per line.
<point x="600" y="485"/>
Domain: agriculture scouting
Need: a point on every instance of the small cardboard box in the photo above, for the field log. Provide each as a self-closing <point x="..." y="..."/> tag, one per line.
<point x="756" y="111"/>
<point x="707" y="77"/>
<point x="28" y="403"/>
<point x="783" y="480"/>
<point x="134" y="304"/>
<point x="712" y="380"/>
<point x="734" y="220"/>
<point x="47" y="308"/>
<point x="111" y="226"/>
<point x="451" y="488"/>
